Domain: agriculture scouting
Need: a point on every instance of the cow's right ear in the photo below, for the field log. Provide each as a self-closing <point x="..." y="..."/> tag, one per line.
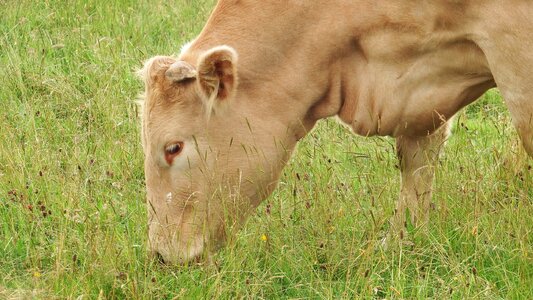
<point x="217" y="75"/>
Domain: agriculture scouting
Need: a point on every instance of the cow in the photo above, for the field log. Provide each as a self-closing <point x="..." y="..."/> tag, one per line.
<point x="221" y="119"/>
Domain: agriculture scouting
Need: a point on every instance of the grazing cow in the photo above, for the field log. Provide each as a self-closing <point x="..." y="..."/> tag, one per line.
<point x="220" y="120"/>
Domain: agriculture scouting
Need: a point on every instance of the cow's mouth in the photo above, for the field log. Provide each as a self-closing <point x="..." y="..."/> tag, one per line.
<point x="198" y="260"/>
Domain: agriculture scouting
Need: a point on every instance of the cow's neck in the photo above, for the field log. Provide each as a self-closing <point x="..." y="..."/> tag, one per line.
<point x="283" y="68"/>
<point x="362" y="62"/>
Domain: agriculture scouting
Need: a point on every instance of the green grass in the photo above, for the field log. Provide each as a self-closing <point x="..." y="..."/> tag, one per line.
<point x="72" y="212"/>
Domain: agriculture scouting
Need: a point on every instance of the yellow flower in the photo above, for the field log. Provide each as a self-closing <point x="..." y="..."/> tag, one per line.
<point x="36" y="274"/>
<point x="264" y="238"/>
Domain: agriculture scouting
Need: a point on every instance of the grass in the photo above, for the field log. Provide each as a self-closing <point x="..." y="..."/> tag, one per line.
<point x="72" y="211"/>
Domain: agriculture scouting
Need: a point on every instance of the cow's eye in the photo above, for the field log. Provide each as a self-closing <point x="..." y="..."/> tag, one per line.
<point x="172" y="150"/>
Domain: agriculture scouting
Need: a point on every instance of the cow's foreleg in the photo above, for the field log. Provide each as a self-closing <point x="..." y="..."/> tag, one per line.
<point x="418" y="156"/>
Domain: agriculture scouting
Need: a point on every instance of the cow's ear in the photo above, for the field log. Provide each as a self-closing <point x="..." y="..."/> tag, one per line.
<point x="217" y="74"/>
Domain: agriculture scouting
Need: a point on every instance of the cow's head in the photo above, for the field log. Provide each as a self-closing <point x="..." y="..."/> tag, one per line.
<point x="211" y="154"/>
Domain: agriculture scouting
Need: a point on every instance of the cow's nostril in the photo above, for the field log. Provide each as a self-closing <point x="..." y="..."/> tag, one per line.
<point x="160" y="258"/>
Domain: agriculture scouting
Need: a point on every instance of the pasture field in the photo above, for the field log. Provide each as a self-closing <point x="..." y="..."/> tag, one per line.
<point x="72" y="212"/>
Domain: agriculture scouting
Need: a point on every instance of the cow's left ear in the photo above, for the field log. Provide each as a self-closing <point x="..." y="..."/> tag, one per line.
<point x="217" y="74"/>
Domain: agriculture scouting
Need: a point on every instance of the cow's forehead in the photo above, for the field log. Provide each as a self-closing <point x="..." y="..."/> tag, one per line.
<point x="163" y="97"/>
<point x="182" y="114"/>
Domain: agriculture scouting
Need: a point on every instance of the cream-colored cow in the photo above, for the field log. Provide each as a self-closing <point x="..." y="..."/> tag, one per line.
<point x="221" y="120"/>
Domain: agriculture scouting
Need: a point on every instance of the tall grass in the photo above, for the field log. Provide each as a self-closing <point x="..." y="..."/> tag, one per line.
<point x="72" y="212"/>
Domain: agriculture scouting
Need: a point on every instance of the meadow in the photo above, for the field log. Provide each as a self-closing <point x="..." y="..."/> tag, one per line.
<point x="72" y="210"/>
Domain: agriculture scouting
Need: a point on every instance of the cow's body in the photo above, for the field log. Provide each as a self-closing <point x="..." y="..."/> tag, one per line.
<point x="401" y="69"/>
